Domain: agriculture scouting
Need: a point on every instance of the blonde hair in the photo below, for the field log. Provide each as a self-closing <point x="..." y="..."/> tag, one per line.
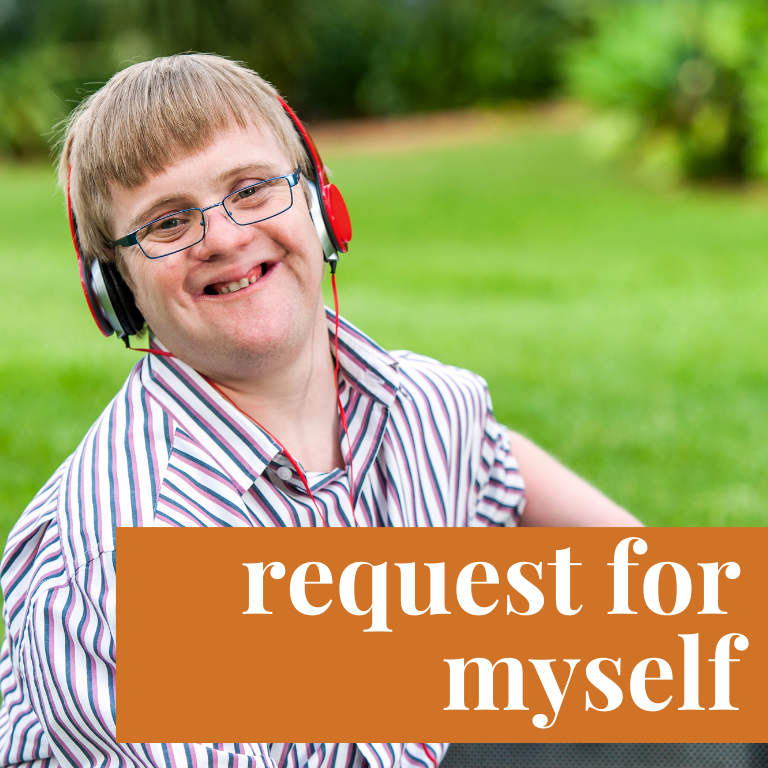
<point x="150" y="115"/>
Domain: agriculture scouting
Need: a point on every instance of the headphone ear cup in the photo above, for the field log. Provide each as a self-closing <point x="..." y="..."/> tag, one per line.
<point x="316" y="214"/>
<point x="338" y="216"/>
<point x="109" y="298"/>
<point x="124" y="315"/>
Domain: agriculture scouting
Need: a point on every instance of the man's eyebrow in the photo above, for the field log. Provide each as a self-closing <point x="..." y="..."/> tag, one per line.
<point x="264" y="170"/>
<point x="178" y="202"/>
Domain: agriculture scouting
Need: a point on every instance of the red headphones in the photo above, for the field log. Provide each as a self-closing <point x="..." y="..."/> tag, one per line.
<point x="332" y="208"/>
<point x="110" y="299"/>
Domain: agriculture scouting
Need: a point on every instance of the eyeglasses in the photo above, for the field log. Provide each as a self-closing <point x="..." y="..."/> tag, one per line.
<point x="181" y="230"/>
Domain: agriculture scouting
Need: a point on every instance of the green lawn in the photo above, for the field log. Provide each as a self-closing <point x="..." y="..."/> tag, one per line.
<point x="622" y="329"/>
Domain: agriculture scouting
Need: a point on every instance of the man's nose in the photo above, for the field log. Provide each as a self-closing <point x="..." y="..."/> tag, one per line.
<point x="221" y="233"/>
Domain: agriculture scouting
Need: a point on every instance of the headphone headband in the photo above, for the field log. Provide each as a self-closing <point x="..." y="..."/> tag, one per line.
<point x="109" y="298"/>
<point x="333" y="208"/>
<point x="91" y="297"/>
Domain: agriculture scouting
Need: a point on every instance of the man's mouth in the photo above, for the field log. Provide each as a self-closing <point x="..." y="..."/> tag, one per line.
<point x="219" y="289"/>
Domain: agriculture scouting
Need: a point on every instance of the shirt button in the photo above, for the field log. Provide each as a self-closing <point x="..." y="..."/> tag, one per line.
<point x="284" y="473"/>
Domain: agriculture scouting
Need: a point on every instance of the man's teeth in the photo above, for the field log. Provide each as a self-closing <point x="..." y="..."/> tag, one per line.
<point x="242" y="283"/>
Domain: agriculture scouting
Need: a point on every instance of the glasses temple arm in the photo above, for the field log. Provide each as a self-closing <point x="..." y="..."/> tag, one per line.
<point x="127" y="241"/>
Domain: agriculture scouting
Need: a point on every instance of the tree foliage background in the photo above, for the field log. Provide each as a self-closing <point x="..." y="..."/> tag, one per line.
<point x="682" y="85"/>
<point x="331" y="59"/>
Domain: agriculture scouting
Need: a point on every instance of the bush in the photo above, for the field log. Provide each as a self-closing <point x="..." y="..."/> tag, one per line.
<point x="682" y="84"/>
<point x="438" y="54"/>
<point x="335" y="58"/>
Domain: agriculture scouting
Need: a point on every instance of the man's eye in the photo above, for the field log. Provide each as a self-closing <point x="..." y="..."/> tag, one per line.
<point x="166" y="229"/>
<point x="247" y="192"/>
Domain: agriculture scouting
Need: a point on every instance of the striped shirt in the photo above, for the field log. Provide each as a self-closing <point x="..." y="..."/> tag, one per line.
<point x="170" y="451"/>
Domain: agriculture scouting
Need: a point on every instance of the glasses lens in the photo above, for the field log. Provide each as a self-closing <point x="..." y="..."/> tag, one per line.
<point x="171" y="233"/>
<point x="260" y="201"/>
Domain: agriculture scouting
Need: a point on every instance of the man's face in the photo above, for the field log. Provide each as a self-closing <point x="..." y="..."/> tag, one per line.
<point x="226" y="334"/>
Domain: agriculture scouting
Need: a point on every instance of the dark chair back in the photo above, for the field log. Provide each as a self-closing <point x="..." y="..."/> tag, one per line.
<point x="606" y="756"/>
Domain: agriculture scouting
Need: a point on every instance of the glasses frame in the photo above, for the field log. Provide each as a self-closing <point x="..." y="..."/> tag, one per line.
<point x="131" y="238"/>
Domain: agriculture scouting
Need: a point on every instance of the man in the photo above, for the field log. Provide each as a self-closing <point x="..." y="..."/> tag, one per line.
<point x="188" y="179"/>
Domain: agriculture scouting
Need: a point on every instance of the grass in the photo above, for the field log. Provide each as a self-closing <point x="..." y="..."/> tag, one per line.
<point x="620" y="328"/>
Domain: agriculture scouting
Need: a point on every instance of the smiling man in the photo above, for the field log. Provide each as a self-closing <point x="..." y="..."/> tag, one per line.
<point x="195" y="198"/>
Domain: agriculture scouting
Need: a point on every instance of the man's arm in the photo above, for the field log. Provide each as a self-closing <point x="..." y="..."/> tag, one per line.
<point x="558" y="497"/>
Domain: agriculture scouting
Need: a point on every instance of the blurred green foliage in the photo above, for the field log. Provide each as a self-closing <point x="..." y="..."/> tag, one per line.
<point x="682" y="83"/>
<point x="335" y="58"/>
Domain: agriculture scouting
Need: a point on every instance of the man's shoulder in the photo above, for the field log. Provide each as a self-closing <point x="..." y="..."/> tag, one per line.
<point x="107" y="482"/>
<point x="449" y="403"/>
<point x="40" y="514"/>
<point x="33" y="554"/>
<point x="422" y="375"/>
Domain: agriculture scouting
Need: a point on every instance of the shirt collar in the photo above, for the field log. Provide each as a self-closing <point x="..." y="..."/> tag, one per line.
<point x="364" y="363"/>
<point x="240" y="448"/>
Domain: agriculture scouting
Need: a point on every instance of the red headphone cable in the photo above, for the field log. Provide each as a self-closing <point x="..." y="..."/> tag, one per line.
<point x="290" y="458"/>
<point x="342" y="413"/>
<point x="251" y="419"/>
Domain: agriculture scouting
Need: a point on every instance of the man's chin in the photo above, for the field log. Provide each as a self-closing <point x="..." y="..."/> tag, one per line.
<point x="243" y="355"/>
<point x="243" y="344"/>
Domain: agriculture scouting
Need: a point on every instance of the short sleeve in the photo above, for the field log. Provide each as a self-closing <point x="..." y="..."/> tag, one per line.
<point x="501" y="490"/>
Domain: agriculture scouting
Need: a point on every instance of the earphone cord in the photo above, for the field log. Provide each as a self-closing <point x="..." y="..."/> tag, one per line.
<point x="323" y="520"/>
<point x="342" y="414"/>
<point x="251" y="419"/>
<point x="336" y="382"/>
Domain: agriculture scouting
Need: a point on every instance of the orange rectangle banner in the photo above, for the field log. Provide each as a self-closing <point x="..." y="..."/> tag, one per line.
<point x="430" y="635"/>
